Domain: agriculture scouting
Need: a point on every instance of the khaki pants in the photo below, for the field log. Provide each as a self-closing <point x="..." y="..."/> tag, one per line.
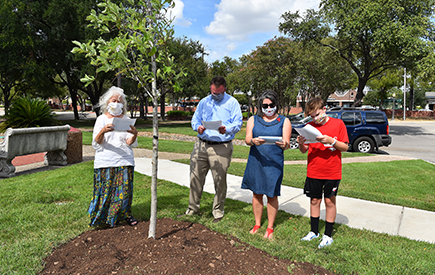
<point x="204" y="157"/>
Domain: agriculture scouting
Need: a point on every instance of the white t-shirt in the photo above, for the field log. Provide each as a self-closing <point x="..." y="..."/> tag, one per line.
<point x="113" y="151"/>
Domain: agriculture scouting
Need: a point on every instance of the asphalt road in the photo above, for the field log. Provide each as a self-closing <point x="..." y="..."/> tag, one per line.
<point x="412" y="139"/>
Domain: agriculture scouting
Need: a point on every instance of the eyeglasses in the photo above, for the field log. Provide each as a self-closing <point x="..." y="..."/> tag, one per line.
<point x="271" y="105"/>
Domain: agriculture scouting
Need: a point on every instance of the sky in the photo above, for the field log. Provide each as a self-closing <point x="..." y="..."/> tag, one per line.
<point x="233" y="27"/>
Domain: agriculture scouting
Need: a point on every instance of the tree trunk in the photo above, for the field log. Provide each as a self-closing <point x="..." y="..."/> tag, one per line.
<point x="411" y="97"/>
<point x="360" y="92"/>
<point x="153" y="217"/>
<point x="6" y="94"/>
<point x="162" y="103"/>
<point x="94" y="91"/>
<point x="141" y="106"/>
<point x="73" y="93"/>
<point x="146" y="107"/>
<point x="118" y="78"/>
<point x="174" y="105"/>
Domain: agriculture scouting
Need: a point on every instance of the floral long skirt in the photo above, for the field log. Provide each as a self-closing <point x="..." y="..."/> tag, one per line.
<point x="113" y="195"/>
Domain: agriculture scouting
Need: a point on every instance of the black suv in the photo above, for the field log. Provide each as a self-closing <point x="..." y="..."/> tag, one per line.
<point x="367" y="129"/>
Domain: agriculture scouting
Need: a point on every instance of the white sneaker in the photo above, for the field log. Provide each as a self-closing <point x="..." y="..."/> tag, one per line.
<point x="326" y="240"/>
<point x="311" y="235"/>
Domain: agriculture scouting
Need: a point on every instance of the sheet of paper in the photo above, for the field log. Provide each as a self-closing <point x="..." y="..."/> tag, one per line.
<point x="309" y="133"/>
<point x="212" y="125"/>
<point x="270" y="139"/>
<point x="122" y="124"/>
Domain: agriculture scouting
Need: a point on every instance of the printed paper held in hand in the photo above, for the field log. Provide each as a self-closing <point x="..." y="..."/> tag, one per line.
<point x="122" y="124"/>
<point x="309" y="132"/>
<point x="270" y="139"/>
<point x="212" y="125"/>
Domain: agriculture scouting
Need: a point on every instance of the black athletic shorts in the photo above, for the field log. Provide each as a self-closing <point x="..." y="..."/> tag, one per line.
<point x="314" y="188"/>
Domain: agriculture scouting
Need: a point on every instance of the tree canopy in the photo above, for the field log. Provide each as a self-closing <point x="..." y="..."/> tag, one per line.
<point x="371" y="36"/>
<point x="290" y="69"/>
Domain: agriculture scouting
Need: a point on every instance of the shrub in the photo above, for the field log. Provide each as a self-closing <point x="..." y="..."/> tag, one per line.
<point x="26" y="112"/>
<point x="177" y="113"/>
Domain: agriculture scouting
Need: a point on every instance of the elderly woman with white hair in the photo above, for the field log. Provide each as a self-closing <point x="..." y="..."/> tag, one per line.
<point x="114" y="163"/>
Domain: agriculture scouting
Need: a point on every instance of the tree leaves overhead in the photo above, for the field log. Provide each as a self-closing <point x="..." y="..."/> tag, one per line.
<point x="372" y="36"/>
<point x="291" y="69"/>
<point x="142" y="32"/>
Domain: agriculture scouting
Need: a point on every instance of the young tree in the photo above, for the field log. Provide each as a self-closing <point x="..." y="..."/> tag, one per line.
<point x="371" y="36"/>
<point x="142" y="34"/>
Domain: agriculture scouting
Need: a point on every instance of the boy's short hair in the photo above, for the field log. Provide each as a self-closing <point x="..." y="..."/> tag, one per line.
<point x="314" y="104"/>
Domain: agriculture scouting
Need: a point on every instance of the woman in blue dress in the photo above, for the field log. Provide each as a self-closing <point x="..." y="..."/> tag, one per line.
<point x="264" y="171"/>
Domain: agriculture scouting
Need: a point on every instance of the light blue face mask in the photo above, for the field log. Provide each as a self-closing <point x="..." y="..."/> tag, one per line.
<point x="217" y="97"/>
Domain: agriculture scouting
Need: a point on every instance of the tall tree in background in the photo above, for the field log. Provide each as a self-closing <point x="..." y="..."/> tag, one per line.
<point x="142" y="36"/>
<point x="372" y="36"/>
<point x="243" y="80"/>
<point x="188" y="58"/>
<point x="46" y="29"/>
<point x="273" y="66"/>
<point x="382" y="84"/>
<point x="15" y="50"/>
<point x="222" y="68"/>
<point x="319" y="72"/>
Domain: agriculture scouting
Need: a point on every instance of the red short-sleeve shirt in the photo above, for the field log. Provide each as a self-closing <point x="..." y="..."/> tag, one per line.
<point x="324" y="163"/>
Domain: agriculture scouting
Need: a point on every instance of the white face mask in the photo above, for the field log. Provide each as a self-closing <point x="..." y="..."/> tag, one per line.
<point x="115" y="109"/>
<point x="269" y="111"/>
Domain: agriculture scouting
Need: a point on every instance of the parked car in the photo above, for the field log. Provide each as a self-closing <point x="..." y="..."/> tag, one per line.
<point x="295" y="124"/>
<point x="367" y="129"/>
<point x="296" y="118"/>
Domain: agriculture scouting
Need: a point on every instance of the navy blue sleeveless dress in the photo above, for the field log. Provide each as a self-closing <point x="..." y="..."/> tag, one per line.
<point x="264" y="171"/>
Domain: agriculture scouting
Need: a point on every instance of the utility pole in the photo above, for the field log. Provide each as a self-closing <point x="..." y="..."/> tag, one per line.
<point x="404" y="96"/>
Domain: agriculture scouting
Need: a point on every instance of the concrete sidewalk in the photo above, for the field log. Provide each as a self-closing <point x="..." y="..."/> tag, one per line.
<point x="394" y="220"/>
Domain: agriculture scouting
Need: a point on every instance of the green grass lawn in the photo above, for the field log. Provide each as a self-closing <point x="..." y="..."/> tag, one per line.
<point x="178" y="127"/>
<point x="409" y="183"/>
<point x="185" y="147"/>
<point x="40" y="211"/>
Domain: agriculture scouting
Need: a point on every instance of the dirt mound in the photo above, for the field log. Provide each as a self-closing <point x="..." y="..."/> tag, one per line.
<point x="179" y="248"/>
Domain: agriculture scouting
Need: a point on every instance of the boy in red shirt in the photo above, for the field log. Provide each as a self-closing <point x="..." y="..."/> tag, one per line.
<point x="324" y="167"/>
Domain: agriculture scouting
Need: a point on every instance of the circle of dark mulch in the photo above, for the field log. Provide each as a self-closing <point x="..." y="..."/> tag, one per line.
<point x="179" y="248"/>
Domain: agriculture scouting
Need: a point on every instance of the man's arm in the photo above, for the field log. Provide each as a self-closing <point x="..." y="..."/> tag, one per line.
<point x="236" y="119"/>
<point x="197" y="119"/>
